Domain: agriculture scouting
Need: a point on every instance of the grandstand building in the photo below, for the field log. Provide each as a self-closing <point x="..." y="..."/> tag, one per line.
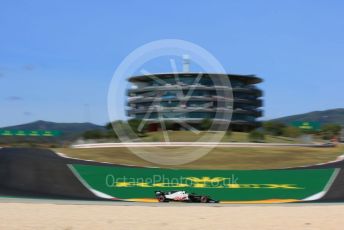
<point x="190" y="98"/>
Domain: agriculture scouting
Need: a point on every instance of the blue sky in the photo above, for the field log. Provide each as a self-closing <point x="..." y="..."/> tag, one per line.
<point x="57" y="58"/>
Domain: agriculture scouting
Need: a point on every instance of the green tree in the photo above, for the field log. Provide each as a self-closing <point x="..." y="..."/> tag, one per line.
<point x="273" y="128"/>
<point x="93" y="134"/>
<point x="110" y="132"/>
<point x="329" y="131"/>
<point x="108" y="126"/>
<point x="135" y="125"/>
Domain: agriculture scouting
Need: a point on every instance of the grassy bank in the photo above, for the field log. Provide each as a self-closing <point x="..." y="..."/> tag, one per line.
<point x="188" y="136"/>
<point x="218" y="158"/>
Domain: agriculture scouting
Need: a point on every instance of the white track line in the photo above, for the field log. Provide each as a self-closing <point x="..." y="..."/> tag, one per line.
<point x="188" y="144"/>
<point x="327" y="187"/>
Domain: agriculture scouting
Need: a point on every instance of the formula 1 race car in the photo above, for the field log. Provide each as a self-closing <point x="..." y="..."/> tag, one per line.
<point x="183" y="197"/>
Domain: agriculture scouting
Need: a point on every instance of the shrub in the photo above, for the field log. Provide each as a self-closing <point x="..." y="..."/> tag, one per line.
<point x="228" y="132"/>
<point x="291" y="131"/>
<point x="256" y="136"/>
<point x="205" y="124"/>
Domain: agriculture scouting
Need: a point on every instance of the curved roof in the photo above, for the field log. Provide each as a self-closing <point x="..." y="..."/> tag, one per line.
<point x="249" y="79"/>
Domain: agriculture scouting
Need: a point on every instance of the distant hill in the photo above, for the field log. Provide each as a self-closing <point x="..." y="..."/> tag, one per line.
<point x="324" y="117"/>
<point x="69" y="130"/>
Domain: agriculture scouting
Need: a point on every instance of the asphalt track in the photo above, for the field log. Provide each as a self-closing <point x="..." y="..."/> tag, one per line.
<point x="41" y="173"/>
<point x="336" y="191"/>
<point x="26" y="172"/>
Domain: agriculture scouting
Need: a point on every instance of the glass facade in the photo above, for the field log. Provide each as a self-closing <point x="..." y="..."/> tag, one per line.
<point x="192" y="115"/>
<point x="180" y="99"/>
<point x="192" y="80"/>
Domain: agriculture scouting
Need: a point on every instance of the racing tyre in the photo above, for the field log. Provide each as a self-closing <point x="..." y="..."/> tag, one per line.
<point x="204" y="199"/>
<point x="161" y="198"/>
